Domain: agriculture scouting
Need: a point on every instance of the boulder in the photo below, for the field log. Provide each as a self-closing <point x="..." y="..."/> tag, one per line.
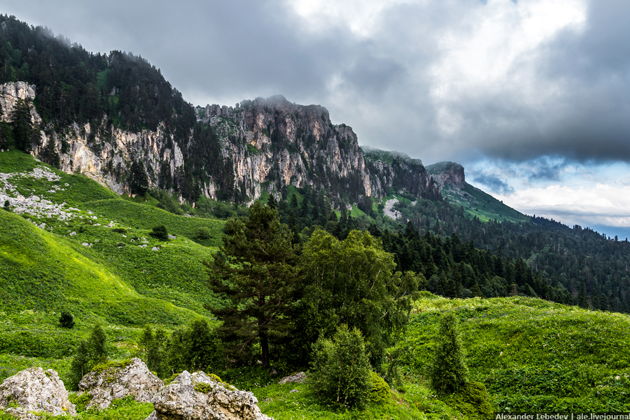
<point x="35" y="390"/>
<point x="198" y="396"/>
<point x="117" y="381"/>
<point x="295" y="378"/>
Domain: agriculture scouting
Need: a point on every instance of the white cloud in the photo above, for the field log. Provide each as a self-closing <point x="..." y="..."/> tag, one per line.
<point x="574" y="193"/>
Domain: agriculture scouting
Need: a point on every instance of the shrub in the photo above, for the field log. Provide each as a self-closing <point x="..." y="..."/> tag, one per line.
<point x="449" y="372"/>
<point x="379" y="390"/>
<point x="159" y="232"/>
<point x="203" y="233"/>
<point x="341" y="369"/>
<point x="473" y="401"/>
<point x="66" y="320"/>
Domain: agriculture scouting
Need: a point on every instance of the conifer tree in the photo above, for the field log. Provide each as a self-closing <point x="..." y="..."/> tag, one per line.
<point x="449" y="372"/>
<point x="255" y="271"/>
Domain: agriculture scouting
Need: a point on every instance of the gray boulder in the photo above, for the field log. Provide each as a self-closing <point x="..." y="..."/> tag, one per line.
<point x="35" y="390"/>
<point x="197" y="396"/>
<point x="133" y="378"/>
<point x="295" y="378"/>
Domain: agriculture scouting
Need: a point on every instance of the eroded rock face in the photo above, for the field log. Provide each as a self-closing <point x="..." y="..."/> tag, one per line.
<point x="10" y="94"/>
<point x="35" y="390"/>
<point x="448" y="174"/>
<point x="133" y="379"/>
<point x="199" y="397"/>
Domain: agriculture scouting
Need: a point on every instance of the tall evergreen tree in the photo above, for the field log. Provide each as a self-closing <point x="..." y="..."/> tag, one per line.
<point x="449" y="372"/>
<point x="254" y="270"/>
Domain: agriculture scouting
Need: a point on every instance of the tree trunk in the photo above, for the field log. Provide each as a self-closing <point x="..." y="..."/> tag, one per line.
<point x="264" y="342"/>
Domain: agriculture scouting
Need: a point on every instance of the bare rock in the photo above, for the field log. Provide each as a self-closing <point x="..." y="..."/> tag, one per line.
<point x="295" y="378"/>
<point x="197" y="396"/>
<point x="35" y="390"/>
<point x="133" y="378"/>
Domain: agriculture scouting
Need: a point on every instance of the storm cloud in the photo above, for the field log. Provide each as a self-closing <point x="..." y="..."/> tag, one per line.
<point x="452" y="79"/>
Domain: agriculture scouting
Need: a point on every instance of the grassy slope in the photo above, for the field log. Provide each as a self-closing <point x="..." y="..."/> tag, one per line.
<point x="533" y="355"/>
<point x="477" y="203"/>
<point x="118" y="280"/>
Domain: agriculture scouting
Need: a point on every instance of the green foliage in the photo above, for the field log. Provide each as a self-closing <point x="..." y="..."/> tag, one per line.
<point x="203" y="387"/>
<point x="532" y="355"/>
<point x="66" y="320"/>
<point x="159" y="232"/>
<point x="195" y="347"/>
<point x="449" y="373"/>
<point x="379" y="391"/>
<point x="89" y="353"/>
<point x="138" y="180"/>
<point x="353" y="282"/>
<point x="24" y="135"/>
<point x="341" y="369"/>
<point x="203" y="233"/>
<point x="254" y="270"/>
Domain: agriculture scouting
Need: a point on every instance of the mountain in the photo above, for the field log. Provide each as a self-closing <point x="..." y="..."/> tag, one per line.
<point x="451" y="180"/>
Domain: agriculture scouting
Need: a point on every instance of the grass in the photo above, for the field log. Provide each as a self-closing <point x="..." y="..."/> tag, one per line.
<point x="532" y="355"/>
<point x="481" y="205"/>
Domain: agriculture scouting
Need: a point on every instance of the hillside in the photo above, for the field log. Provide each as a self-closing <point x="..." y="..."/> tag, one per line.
<point x="534" y="356"/>
<point x="476" y="203"/>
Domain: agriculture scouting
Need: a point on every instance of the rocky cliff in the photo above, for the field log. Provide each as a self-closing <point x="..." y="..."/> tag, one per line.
<point x="232" y="153"/>
<point x="273" y="143"/>
<point x="447" y="174"/>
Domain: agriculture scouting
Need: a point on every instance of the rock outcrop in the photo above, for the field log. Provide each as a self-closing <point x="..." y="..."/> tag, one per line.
<point x="448" y="174"/>
<point x="10" y="94"/>
<point x="35" y="390"/>
<point x="133" y="378"/>
<point x="275" y="143"/>
<point x="295" y="378"/>
<point x="232" y="153"/>
<point x="197" y="396"/>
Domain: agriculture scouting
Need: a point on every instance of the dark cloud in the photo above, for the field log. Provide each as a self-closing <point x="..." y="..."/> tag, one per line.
<point x="568" y="96"/>
<point x="493" y="183"/>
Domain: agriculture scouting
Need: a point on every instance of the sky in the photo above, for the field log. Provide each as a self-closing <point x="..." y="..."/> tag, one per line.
<point x="532" y="96"/>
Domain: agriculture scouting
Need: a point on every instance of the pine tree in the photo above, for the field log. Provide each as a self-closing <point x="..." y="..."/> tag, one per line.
<point x="138" y="180"/>
<point x="254" y="271"/>
<point x="449" y="372"/>
<point x="22" y="126"/>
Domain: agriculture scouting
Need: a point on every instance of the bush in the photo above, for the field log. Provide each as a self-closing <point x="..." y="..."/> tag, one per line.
<point x="449" y="372"/>
<point x="159" y="232"/>
<point x="203" y="233"/>
<point x="473" y="401"/>
<point x="341" y="369"/>
<point x="66" y="320"/>
<point x="379" y="392"/>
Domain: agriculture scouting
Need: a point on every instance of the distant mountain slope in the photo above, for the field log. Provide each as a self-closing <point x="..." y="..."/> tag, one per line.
<point x="454" y="189"/>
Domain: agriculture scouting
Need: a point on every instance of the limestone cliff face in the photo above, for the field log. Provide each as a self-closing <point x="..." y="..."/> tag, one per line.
<point x="106" y="154"/>
<point x="103" y="152"/>
<point x="233" y="153"/>
<point x="10" y="94"/>
<point x="272" y="143"/>
<point x="448" y="174"/>
<point x="394" y="172"/>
